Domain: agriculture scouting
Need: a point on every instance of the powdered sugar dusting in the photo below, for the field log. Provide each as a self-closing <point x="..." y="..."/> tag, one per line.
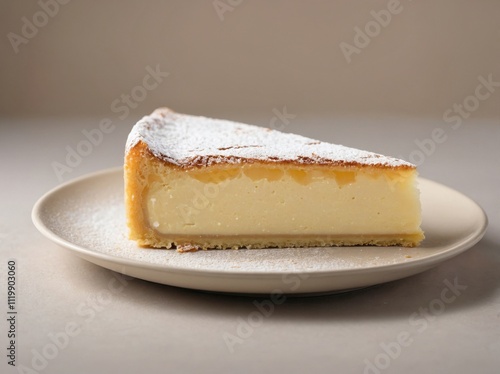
<point x="187" y="140"/>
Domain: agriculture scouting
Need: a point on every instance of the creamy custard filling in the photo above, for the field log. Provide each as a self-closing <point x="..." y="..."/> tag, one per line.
<point x="257" y="199"/>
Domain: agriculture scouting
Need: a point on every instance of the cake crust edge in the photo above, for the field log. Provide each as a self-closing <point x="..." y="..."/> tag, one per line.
<point x="139" y="158"/>
<point x="208" y="160"/>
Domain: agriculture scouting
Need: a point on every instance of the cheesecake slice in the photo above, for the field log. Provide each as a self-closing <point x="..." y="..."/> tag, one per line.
<point x="200" y="183"/>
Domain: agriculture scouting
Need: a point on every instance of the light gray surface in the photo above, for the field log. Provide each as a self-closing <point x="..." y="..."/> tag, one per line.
<point x="145" y="327"/>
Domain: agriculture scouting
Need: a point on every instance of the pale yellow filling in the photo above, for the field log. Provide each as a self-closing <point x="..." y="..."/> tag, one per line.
<point x="283" y="200"/>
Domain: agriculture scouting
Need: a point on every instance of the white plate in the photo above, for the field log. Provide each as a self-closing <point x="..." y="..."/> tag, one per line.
<point x="86" y="216"/>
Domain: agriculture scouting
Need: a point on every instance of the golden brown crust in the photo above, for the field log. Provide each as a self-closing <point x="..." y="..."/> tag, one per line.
<point x="204" y="162"/>
<point x="134" y="187"/>
<point x="195" y="142"/>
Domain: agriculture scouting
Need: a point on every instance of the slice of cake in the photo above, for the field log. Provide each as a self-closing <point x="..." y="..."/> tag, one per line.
<point x="199" y="183"/>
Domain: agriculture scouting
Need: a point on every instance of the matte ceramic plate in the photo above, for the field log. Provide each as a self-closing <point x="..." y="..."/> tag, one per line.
<point x="87" y="217"/>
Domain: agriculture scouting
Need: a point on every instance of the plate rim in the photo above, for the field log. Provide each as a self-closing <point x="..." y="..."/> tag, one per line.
<point x="430" y="261"/>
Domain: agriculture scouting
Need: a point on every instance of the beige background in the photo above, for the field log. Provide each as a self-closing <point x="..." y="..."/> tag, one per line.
<point x="263" y="55"/>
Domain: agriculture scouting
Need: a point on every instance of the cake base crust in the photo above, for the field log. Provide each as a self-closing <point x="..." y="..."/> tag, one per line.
<point x="204" y="242"/>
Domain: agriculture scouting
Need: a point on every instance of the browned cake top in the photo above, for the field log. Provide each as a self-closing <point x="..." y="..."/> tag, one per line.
<point x="191" y="141"/>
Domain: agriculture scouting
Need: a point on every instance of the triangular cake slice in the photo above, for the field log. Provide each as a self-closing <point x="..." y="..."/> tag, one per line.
<point x="199" y="183"/>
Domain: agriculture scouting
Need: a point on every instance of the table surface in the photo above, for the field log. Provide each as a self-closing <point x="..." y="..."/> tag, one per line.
<point x="63" y="326"/>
